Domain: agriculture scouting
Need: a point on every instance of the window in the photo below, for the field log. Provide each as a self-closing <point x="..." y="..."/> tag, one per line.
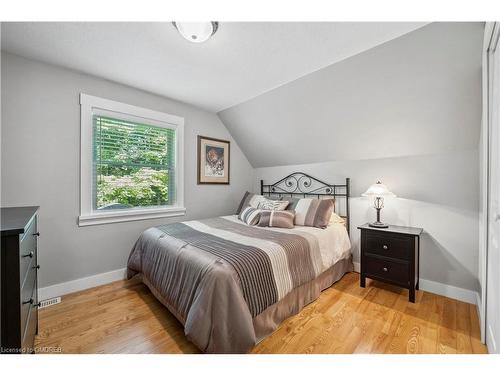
<point x="131" y="162"/>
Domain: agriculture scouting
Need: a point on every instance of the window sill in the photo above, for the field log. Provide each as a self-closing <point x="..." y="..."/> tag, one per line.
<point x="130" y="215"/>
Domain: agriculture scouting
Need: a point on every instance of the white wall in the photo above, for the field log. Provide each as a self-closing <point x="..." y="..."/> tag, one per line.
<point x="407" y="112"/>
<point x="415" y="95"/>
<point x="41" y="158"/>
<point x="436" y="192"/>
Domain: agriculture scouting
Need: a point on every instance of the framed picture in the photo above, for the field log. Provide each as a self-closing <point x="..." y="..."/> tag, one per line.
<point x="213" y="161"/>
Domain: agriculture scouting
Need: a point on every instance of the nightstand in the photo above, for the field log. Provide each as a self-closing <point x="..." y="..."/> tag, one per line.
<point x="391" y="255"/>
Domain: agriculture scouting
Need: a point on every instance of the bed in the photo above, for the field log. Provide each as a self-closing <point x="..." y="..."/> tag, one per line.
<point x="231" y="284"/>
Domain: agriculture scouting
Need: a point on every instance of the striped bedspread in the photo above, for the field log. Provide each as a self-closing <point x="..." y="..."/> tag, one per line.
<point x="225" y="269"/>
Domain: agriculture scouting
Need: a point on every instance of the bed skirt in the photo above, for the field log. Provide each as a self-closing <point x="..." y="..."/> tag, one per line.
<point x="268" y="321"/>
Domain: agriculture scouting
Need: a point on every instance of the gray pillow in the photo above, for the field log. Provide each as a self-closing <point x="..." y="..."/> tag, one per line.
<point x="292" y="202"/>
<point x="249" y="199"/>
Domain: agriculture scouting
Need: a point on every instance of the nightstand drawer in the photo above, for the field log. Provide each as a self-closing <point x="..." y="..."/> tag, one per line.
<point x="386" y="269"/>
<point x="388" y="246"/>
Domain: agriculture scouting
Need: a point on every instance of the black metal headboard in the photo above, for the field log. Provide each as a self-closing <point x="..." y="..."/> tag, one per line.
<point x="300" y="184"/>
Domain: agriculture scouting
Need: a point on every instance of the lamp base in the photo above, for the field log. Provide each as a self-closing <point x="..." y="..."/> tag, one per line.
<point x="378" y="224"/>
<point x="378" y="204"/>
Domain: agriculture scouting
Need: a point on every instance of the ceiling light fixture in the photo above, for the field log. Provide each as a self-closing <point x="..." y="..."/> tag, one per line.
<point x="196" y="32"/>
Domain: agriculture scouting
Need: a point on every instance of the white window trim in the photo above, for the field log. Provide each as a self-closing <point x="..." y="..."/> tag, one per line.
<point x="88" y="216"/>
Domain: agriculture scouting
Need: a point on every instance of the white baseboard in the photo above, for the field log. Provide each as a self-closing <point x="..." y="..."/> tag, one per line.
<point x="357" y="267"/>
<point x="478" y="304"/>
<point x="81" y="284"/>
<point x="480" y="317"/>
<point x="465" y="295"/>
<point x="77" y="285"/>
<point x="490" y="341"/>
<point x="450" y="291"/>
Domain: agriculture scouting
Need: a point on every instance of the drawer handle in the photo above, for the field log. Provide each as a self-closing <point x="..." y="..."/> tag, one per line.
<point x="36" y="234"/>
<point x="30" y="301"/>
<point x="385" y="247"/>
<point x="30" y="254"/>
<point x="385" y="269"/>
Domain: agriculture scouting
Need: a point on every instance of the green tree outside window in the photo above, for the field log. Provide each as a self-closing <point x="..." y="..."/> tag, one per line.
<point x="133" y="164"/>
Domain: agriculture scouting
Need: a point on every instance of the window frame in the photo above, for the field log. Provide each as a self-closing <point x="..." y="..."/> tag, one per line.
<point x="88" y="106"/>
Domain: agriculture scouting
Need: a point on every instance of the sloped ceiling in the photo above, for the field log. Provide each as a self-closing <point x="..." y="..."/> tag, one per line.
<point x="241" y="61"/>
<point x="415" y="95"/>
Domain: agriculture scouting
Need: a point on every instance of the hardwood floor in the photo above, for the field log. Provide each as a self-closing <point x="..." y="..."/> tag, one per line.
<point x="124" y="317"/>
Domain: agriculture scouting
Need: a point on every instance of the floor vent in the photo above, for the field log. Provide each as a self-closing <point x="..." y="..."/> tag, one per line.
<point x="50" y="302"/>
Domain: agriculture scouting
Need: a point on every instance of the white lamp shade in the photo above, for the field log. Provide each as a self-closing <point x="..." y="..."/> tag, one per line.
<point x="378" y="190"/>
<point x="196" y="32"/>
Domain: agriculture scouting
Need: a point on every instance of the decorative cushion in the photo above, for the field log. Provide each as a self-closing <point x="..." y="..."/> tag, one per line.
<point x="277" y="219"/>
<point x="249" y="199"/>
<point x="336" y="219"/>
<point x="314" y="212"/>
<point x="268" y="204"/>
<point x="292" y="203"/>
<point x="250" y="215"/>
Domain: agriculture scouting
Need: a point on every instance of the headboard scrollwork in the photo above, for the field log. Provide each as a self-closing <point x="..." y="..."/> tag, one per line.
<point x="299" y="184"/>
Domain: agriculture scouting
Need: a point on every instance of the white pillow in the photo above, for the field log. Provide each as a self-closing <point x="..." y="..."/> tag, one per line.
<point x="249" y="199"/>
<point x="268" y="204"/>
<point x="336" y="219"/>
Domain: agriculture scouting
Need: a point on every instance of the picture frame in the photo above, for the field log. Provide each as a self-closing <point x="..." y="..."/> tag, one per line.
<point x="214" y="157"/>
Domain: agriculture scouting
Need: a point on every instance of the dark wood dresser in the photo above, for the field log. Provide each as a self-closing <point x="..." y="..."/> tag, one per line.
<point x="391" y="255"/>
<point x="18" y="278"/>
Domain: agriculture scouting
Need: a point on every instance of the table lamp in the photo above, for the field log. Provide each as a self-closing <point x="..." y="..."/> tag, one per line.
<point x="378" y="191"/>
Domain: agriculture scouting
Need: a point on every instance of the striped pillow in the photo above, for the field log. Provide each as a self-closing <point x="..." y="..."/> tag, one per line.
<point x="277" y="219"/>
<point x="313" y="212"/>
<point x="268" y="204"/>
<point x="250" y="215"/>
<point x="249" y="199"/>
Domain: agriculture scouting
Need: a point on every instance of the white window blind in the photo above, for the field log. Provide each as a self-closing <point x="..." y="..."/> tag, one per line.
<point x="133" y="164"/>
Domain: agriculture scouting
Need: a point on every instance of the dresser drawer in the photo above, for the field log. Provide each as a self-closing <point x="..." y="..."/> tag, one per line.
<point x="18" y="279"/>
<point x="27" y="250"/>
<point x="28" y="342"/>
<point x="28" y="293"/>
<point x="387" y="246"/>
<point x="397" y="272"/>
